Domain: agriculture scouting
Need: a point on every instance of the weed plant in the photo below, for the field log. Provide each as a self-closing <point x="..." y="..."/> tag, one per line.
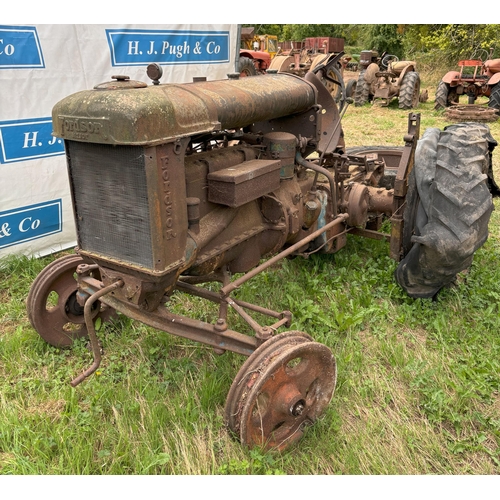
<point x="418" y="380"/>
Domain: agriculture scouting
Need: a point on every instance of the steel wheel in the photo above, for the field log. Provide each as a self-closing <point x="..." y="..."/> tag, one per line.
<point x="333" y="80"/>
<point x="282" y="63"/>
<point x="283" y="386"/>
<point x="52" y="307"/>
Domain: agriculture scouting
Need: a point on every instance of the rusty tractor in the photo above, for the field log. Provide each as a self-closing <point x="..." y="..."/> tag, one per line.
<point x="390" y="78"/>
<point x="322" y="55"/>
<point x="176" y="186"/>
<point x="475" y="78"/>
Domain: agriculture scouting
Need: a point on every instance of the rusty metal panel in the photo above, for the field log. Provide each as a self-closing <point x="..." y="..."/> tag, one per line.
<point x="157" y="114"/>
<point x="243" y="183"/>
<point x="324" y="44"/>
<point x="291" y="45"/>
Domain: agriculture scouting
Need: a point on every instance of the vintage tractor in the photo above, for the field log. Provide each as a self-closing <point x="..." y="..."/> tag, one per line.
<point x="178" y="185"/>
<point x="256" y="52"/>
<point x="322" y="55"/>
<point x="387" y="80"/>
<point x="475" y="78"/>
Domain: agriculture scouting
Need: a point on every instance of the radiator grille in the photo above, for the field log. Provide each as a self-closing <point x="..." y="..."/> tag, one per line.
<point x="111" y="201"/>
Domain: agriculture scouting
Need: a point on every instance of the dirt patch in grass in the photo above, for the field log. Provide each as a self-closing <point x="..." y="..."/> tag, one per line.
<point x="52" y="409"/>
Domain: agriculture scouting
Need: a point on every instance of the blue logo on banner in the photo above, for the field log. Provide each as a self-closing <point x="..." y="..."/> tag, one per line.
<point x="20" y="48"/>
<point x="30" y="223"/>
<point x="28" y="140"/>
<point x="140" y="47"/>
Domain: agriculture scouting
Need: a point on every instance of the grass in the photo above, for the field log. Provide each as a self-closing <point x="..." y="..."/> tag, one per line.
<point x="418" y="380"/>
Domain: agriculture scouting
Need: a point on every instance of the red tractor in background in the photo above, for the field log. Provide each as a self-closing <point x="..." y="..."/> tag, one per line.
<point x="476" y="78"/>
<point x="256" y="52"/>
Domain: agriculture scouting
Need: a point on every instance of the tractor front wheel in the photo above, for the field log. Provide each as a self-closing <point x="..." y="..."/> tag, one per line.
<point x="52" y="305"/>
<point x="247" y="67"/>
<point x="283" y="386"/>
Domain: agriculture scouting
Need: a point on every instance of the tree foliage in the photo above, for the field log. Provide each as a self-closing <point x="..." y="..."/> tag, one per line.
<point x="435" y="44"/>
<point x="284" y="32"/>
<point x="460" y="41"/>
<point x="385" y="38"/>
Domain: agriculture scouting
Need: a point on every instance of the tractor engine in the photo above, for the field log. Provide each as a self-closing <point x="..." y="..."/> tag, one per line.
<point x="171" y="180"/>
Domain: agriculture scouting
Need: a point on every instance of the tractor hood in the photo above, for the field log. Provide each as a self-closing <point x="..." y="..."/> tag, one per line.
<point x="124" y="112"/>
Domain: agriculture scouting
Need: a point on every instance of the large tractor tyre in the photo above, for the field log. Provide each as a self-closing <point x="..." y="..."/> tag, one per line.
<point x="362" y="92"/>
<point x="448" y="207"/>
<point x="409" y="93"/>
<point x="494" y="101"/>
<point x="350" y="87"/>
<point x="445" y="96"/>
<point x="247" y="67"/>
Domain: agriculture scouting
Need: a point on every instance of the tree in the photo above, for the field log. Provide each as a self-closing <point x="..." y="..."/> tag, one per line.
<point x="462" y="41"/>
<point x="385" y="38"/>
<point x="284" y="32"/>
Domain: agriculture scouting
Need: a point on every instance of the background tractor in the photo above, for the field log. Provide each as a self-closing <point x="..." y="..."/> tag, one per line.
<point x="256" y="52"/>
<point x="386" y="79"/>
<point x="197" y="188"/>
<point x="475" y="78"/>
<point x="322" y="55"/>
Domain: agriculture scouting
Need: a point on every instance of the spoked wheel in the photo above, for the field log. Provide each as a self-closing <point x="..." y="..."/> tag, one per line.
<point x="283" y="386"/>
<point x="52" y="306"/>
<point x="332" y="79"/>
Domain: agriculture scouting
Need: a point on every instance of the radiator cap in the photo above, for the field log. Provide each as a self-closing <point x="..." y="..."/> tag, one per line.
<point x="121" y="82"/>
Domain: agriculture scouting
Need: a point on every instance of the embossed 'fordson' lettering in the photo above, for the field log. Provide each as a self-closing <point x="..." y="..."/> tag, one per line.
<point x="82" y="126"/>
<point x="167" y="199"/>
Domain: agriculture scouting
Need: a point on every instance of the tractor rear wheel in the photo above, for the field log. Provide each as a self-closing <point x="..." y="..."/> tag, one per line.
<point x="409" y="92"/>
<point x="448" y="207"/>
<point x="494" y="101"/>
<point x="362" y="92"/>
<point x="247" y="67"/>
<point x="445" y="96"/>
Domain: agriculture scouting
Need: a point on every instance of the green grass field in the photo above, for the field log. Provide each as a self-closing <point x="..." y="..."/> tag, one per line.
<point x="418" y="380"/>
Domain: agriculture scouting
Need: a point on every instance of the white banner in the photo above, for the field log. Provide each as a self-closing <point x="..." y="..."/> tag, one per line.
<point x="41" y="64"/>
